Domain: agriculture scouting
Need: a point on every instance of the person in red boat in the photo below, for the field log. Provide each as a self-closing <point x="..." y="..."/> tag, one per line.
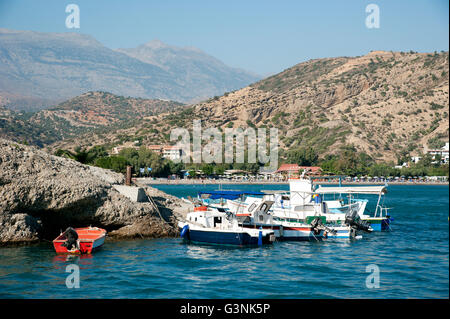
<point x="72" y="237"/>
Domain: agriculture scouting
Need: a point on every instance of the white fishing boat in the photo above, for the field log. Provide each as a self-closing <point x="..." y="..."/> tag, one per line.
<point x="261" y="215"/>
<point x="256" y="212"/>
<point x="300" y="208"/>
<point x="213" y="226"/>
<point x="338" y="206"/>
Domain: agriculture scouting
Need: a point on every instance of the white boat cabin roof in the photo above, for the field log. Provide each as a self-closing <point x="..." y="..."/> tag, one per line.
<point x="352" y="190"/>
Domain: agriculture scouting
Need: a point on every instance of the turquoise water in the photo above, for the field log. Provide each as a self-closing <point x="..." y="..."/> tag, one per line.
<point x="413" y="261"/>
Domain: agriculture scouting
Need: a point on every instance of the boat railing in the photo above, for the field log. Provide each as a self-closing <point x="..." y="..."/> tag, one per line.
<point x="380" y="209"/>
<point x="278" y="205"/>
<point x="359" y="200"/>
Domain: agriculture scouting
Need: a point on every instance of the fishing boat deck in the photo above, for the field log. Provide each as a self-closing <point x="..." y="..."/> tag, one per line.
<point x="84" y="234"/>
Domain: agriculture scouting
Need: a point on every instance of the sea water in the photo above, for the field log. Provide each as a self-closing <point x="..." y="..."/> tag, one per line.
<point x="411" y="261"/>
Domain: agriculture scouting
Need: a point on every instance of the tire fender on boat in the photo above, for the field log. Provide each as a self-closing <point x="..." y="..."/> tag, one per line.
<point x="184" y="231"/>
<point x="260" y="237"/>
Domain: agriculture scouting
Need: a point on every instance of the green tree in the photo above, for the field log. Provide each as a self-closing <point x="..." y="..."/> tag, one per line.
<point x="351" y="162"/>
<point x="143" y="158"/>
<point x="219" y="169"/>
<point x="175" y="168"/>
<point x="426" y="160"/>
<point x="208" y="169"/>
<point x="96" y="152"/>
<point x="192" y="173"/>
<point x="328" y="164"/>
<point x="116" y="163"/>
<point x="305" y="156"/>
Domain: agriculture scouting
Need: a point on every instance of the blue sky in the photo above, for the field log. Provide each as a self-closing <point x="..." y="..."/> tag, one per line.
<point x="258" y="35"/>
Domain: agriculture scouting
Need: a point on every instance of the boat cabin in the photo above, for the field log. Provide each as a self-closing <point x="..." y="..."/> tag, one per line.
<point x="211" y="218"/>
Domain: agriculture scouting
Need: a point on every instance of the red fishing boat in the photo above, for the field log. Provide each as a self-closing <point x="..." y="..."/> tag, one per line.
<point x="86" y="240"/>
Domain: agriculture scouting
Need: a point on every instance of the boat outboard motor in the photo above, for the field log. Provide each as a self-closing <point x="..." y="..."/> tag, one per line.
<point x="72" y="238"/>
<point x="316" y="225"/>
<point x="352" y="219"/>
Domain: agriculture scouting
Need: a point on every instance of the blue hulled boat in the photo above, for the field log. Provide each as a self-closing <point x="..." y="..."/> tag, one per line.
<point x="213" y="226"/>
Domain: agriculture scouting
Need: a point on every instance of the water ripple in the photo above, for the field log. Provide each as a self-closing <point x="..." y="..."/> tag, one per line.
<point x="413" y="261"/>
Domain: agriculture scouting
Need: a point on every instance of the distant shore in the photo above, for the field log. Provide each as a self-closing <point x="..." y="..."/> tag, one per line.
<point x="150" y="181"/>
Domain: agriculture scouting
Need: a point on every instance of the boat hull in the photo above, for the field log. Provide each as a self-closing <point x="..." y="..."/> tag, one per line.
<point x="90" y="239"/>
<point x="291" y="233"/>
<point x="379" y="224"/>
<point x="340" y="234"/>
<point x="343" y="232"/>
<point x="300" y="234"/>
<point x="208" y="236"/>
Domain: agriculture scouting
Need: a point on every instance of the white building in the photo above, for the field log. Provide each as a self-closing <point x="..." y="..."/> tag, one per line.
<point x="158" y="149"/>
<point x="167" y="151"/>
<point x="172" y="152"/>
<point x="116" y="150"/>
<point x="443" y="152"/>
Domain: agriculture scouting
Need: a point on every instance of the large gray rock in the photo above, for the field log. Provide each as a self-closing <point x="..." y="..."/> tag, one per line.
<point x="41" y="194"/>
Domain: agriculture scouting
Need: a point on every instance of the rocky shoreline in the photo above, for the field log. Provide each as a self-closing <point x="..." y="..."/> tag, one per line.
<point x="42" y="194"/>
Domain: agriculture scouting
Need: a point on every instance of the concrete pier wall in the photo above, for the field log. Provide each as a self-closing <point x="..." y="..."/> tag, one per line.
<point x="135" y="194"/>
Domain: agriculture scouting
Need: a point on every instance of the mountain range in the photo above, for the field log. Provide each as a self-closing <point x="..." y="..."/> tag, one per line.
<point x="386" y="104"/>
<point x="39" y="69"/>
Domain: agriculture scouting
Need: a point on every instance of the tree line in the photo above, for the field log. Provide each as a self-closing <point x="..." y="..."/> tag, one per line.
<point x="347" y="161"/>
<point x="143" y="158"/>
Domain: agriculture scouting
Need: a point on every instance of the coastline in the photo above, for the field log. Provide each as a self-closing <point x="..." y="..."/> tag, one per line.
<point x="43" y="194"/>
<point x="150" y="181"/>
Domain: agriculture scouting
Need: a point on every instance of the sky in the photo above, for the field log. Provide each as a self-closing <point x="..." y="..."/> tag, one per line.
<point x="261" y="36"/>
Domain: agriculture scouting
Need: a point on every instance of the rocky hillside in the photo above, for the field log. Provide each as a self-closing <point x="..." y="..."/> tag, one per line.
<point x="40" y="69"/>
<point x="90" y="112"/>
<point x="385" y="103"/>
<point x="42" y="194"/>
